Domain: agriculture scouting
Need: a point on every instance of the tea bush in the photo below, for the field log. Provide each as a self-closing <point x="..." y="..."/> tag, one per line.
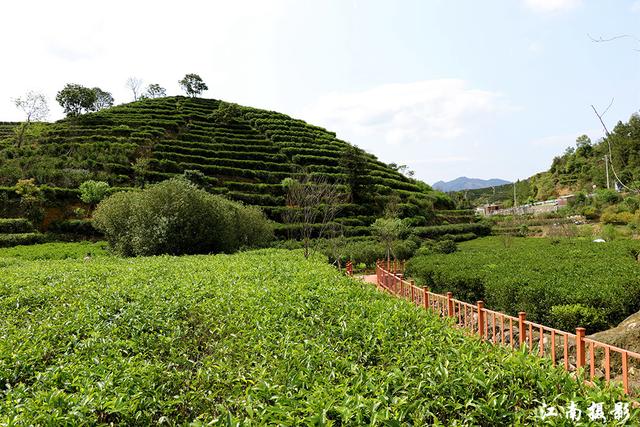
<point x="561" y="282"/>
<point x="257" y="338"/>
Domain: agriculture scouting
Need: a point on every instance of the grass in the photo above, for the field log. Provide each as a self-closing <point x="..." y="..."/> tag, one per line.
<point x="256" y="338"/>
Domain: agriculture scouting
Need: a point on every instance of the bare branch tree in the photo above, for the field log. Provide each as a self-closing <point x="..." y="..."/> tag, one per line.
<point x="610" y="39"/>
<point x="134" y="84"/>
<point x="608" y="139"/>
<point x="312" y="205"/>
<point x="34" y="106"/>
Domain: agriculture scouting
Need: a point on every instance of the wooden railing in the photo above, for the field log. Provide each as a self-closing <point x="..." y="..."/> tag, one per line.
<point x="589" y="359"/>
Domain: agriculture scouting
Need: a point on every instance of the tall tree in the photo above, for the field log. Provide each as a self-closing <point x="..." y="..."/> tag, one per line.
<point x="354" y="163"/>
<point x="76" y="99"/>
<point x="154" y="90"/>
<point x="134" y="84"/>
<point x="103" y="99"/>
<point x="193" y="85"/>
<point x="34" y="106"/>
<point x="312" y="205"/>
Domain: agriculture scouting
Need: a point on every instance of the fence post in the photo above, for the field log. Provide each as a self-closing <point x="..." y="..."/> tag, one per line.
<point x="480" y="320"/>
<point x="522" y="317"/>
<point x="450" y="303"/>
<point x="425" y="298"/>
<point x="413" y="296"/>
<point x="580" y="356"/>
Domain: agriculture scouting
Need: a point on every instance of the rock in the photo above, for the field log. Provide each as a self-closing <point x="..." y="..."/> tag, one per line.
<point x="626" y="335"/>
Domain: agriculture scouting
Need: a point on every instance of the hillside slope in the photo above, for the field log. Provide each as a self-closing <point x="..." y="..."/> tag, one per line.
<point x="244" y="152"/>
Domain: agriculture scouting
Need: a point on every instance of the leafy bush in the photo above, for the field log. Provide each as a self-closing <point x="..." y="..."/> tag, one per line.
<point x="80" y="227"/>
<point x="568" y="315"/>
<point x="176" y="217"/>
<point x="446" y="247"/>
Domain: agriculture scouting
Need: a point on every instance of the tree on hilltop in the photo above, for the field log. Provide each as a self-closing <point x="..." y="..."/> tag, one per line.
<point x="193" y="85"/>
<point x="134" y="84"/>
<point x="103" y="99"/>
<point x="34" y="106"/>
<point x="76" y="99"/>
<point x="154" y="90"/>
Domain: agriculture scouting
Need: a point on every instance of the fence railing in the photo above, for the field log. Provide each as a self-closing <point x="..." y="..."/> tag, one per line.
<point x="588" y="359"/>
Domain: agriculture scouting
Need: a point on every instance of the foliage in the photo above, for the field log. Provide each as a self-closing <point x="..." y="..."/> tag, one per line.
<point x="175" y="217"/>
<point x="207" y="340"/>
<point x="76" y="99"/>
<point x="534" y="275"/>
<point x="15" y="225"/>
<point x="388" y="231"/>
<point x="55" y="251"/>
<point x="568" y="315"/>
<point x="35" y="108"/>
<point x="14" y="239"/>
<point x="192" y="84"/>
<point x="93" y="192"/>
<point x="154" y="90"/>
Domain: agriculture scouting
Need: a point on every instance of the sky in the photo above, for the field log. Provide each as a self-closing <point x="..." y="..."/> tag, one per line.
<point x="484" y="89"/>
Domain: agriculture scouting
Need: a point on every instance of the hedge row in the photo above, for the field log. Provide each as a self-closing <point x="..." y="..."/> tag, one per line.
<point x="233" y="163"/>
<point x="239" y="155"/>
<point x="15" y="225"/>
<point x="224" y="147"/>
<point x="7" y="240"/>
<point x="435" y="231"/>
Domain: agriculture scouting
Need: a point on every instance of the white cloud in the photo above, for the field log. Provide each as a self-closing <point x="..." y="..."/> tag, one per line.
<point x="552" y="6"/>
<point x="409" y="112"/>
<point x="431" y="125"/>
<point x="560" y="142"/>
<point x="535" y="47"/>
<point x="103" y="44"/>
<point x="635" y="6"/>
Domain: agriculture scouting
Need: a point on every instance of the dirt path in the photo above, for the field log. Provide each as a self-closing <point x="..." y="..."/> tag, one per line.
<point x="372" y="278"/>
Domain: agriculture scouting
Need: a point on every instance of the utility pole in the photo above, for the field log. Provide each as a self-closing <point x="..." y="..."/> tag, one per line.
<point x="514" y="198"/>
<point x="606" y="167"/>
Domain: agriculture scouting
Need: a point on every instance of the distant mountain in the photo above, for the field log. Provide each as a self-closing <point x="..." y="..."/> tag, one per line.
<point x="464" y="183"/>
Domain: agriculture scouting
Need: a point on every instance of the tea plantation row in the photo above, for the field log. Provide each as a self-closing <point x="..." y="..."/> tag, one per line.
<point x="562" y="283"/>
<point x="244" y="152"/>
<point x="258" y="338"/>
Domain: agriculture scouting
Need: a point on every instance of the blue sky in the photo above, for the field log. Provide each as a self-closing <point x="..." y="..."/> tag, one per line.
<point x="477" y="88"/>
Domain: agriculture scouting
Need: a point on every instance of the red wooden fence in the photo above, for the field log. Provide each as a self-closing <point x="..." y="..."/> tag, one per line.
<point x="589" y="359"/>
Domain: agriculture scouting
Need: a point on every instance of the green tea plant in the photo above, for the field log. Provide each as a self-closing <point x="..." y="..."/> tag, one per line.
<point x="561" y="282"/>
<point x="257" y="338"/>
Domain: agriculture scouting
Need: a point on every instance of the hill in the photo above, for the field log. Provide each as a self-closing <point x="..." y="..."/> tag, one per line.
<point x="579" y="169"/>
<point x="464" y="183"/>
<point x="245" y="153"/>
<point x="256" y="338"/>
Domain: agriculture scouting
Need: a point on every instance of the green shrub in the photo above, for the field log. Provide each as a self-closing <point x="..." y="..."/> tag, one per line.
<point x="93" y="192"/>
<point x="8" y="240"/>
<point x="80" y="227"/>
<point x="176" y="217"/>
<point x="15" y="225"/>
<point x="446" y="246"/>
<point x="567" y="316"/>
